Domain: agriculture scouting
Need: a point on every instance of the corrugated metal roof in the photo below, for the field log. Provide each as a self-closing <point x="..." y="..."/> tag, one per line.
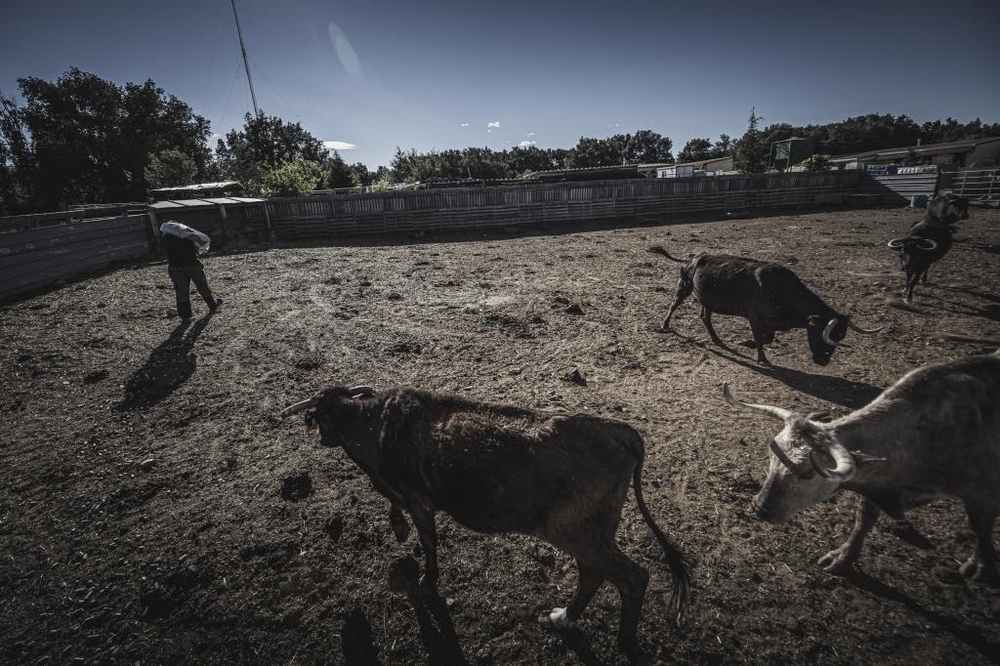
<point x="204" y="203"/>
<point x="198" y="187"/>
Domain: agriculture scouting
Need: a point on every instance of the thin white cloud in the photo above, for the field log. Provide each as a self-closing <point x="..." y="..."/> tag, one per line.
<point x="525" y="144"/>
<point x="530" y="134"/>
<point x="493" y="124"/>
<point x="465" y="124"/>
<point x="338" y="145"/>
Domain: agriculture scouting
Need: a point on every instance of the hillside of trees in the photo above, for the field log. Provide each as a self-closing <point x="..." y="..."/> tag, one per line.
<point x="84" y="140"/>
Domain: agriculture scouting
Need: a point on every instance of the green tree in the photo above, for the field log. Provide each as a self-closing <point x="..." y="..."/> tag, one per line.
<point x="170" y="168"/>
<point x="752" y="150"/>
<point x="360" y="175"/>
<point x="338" y="174"/>
<point x="298" y="176"/>
<point x="17" y="161"/>
<point x="695" y="150"/>
<point x="91" y="139"/>
<point x="265" y="143"/>
<point x="816" y="162"/>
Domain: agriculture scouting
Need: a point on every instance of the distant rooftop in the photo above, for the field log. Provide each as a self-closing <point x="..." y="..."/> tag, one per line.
<point x="924" y="150"/>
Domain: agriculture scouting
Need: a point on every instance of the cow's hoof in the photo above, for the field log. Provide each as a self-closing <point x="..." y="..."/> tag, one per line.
<point x="556" y="619"/>
<point x="836" y="563"/>
<point x="634" y="653"/>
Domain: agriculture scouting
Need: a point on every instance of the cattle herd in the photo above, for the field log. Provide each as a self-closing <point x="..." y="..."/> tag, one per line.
<point x="564" y="478"/>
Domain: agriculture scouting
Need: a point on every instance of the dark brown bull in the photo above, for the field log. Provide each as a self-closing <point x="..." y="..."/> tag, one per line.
<point x="500" y="469"/>
<point x="935" y="433"/>
<point x="770" y="295"/>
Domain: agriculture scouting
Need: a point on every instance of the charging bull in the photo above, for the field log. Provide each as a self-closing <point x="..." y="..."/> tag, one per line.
<point x="935" y="433"/>
<point x="500" y="469"/>
<point x="770" y="295"/>
<point x="929" y="239"/>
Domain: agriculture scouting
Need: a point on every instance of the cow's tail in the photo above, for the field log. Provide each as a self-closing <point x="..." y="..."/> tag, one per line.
<point x="657" y="249"/>
<point x="678" y="564"/>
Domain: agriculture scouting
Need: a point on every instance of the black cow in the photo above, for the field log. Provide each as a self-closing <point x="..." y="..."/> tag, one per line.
<point x="929" y="239"/>
<point x="770" y="295"/>
<point x="500" y="469"/>
<point x="934" y="433"/>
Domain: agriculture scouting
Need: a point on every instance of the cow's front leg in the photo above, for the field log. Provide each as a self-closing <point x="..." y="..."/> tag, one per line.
<point x="760" y="336"/>
<point x="841" y="561"/>
<point x="427" y="531"/>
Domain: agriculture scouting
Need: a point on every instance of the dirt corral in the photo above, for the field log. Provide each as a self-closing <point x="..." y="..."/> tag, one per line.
<point x="154" y="508"/>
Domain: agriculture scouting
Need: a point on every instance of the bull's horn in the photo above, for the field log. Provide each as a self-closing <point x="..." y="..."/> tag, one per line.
<point x="360" y="391"/>
<point x="776" y="412"/>
<point x="827" y="331"/>
<point x="864" y="331"/>
<point x="922" y="244"/>
<point x="299" y="406"/>
<point x="896" y="243"/>
<point x="845" y="464"/>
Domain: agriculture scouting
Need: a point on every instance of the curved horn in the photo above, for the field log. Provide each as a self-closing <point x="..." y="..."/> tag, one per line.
<point x="896" y="243"/>
<point x="361" y="391"/>
<point x="864" y="331"/>
<point x="845" y="469"/>
<point x="922" y="244"/>
<point x="776" y="412"/>
<point x="827" y="331"/>
<point x="299" y="406"/>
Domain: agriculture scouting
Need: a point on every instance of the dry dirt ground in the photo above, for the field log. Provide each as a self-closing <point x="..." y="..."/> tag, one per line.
<point x="154" y="508"/>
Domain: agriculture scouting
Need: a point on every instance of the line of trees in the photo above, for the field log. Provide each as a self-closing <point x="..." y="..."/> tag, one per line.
<point x="83" y="140"/>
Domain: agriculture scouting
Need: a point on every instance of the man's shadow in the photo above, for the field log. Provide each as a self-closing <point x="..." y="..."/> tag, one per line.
<point x="168" y="366"/>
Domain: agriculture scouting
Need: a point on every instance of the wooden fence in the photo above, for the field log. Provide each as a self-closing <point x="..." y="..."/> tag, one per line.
<point x="532" y="205"/>
<point x="36" y="258"/>
<point x="980" y="186"/>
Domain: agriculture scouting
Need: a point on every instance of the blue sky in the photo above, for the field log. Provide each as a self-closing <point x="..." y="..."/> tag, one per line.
<point x="439" y="74"/>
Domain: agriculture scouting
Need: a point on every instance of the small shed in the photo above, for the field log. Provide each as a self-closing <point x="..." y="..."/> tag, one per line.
<point x="790" y="152"/>
<point x="225" y="219"/>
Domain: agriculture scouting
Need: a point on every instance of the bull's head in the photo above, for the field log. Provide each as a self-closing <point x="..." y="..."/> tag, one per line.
<point x="948" y="208"/>
<point x="335" y="411"/>
<point x="825" y="335"/>
<point x="807" y="463"/>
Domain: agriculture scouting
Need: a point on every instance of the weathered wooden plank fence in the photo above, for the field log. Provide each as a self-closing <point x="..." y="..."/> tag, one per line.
<point x="35" y="258"/>
<point x="531" y="205"/>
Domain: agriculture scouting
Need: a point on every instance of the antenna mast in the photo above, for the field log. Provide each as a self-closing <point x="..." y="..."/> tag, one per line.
<point x="246" y="63"/>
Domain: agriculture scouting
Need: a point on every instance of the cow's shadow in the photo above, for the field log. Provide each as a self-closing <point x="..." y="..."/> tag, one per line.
<point x="968" y="635"/>
<point x="837" y="390"/>
<point x="437" y="632"/>
<point x="168" y="366"/>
